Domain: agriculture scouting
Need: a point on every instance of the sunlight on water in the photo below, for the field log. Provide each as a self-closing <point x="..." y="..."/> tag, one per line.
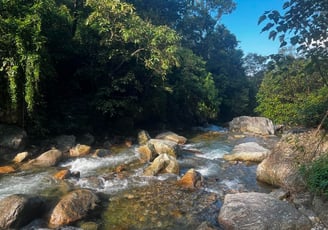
<point x="24" y="184"/>
<point x="208" y="170"/>
<point x="88" y="166"/>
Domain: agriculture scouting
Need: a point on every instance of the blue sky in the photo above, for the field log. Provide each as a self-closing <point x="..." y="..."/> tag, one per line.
<point x="243" y="24"/>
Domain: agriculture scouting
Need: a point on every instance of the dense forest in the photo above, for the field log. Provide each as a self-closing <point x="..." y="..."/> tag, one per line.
<point x="99" y="65"/>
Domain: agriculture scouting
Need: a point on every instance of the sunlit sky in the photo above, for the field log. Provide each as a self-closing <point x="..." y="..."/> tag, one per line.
<point x="243" y="24"/>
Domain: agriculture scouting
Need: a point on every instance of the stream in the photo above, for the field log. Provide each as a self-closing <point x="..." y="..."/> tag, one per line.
<point x="130" y="200"/>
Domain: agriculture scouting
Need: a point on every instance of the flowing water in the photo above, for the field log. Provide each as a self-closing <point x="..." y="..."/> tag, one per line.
<point x="130" y="200"/>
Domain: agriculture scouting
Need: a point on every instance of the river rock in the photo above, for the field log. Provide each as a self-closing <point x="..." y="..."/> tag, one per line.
<point x="65" y="142"/>
<point x="320" y="205"/>
<point x="18" y="210"/>
<point x="62" y="174"/>
<point x="47" y="159"/>
<point x="6" y="169"/>
<point x="101" y="153"/>
<point x="249" y="151"/>
<point x="143" y="137"/>
<point x="256" y="125"/>
<point x="260" y="211"/>
<point x="72" y="207"/>
<point x="20" y="157"/>
<point x="164" y="146"/>
<point x="164" y="163"/>
<point x="191" y="180"/>
<point x="281" y="167"/>
<point x="12" y="138"/>
<point x="171" y="136"/>
<point x="79" y="150"/>
<point x="147" y="153"/>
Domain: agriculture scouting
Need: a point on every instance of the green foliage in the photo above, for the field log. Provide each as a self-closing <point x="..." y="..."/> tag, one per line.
<point x="316" y="175"/>
<point x="303" y="23"/>
<point x="193" y="95"/>
<point x="290" y="94"/>
<point x="21" y="45"/>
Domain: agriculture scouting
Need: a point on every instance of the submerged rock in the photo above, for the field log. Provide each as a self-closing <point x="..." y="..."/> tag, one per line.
<point x="249" y="151"/>
<point x="18" y="210"/>
<point x="260" y="211"/>
<point x="72" y="207"/>
<point x="256" y="125"/>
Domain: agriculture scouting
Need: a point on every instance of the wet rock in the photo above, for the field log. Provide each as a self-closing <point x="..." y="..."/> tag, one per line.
<point x="101" y="153"/>
<point x="6" y="169"/>
<point x="65" y="142"/>
<point x="86" y="139"/>
<point x="18" y="210"/>
<point x="164" y="163"/>
<point x="171" y="136"/>
<point x="164" y="146"/>
<point x="146" y="153"/>
<point x="260" y="211"/>
<point x="20" y="157"/>
<point x="249" y="151"/>
<point x="191" y="180"/>
<point x="72" y="207"/>
<point x="79" y="150"/>
<point x="143" y="137"/>
<point x="63" y="174"/>
<point x="256" y="125"/>
<point x="12" y="137"/>
<point x="47" y="159"/>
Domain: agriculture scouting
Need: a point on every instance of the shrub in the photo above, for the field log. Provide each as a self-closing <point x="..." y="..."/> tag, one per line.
<point x="316" y="175"/>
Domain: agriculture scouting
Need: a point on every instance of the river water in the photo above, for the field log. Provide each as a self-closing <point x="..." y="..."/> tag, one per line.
<point x="130" y="200"/>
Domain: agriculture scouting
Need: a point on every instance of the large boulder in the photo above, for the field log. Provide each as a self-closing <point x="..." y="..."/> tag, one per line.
<point x="12" y="138"/>
<point x="164" y="146"/>
<point x="155" y="147"/>
<point x="281" y="167"/>
<point x="171" y="136"/>
<point x="164" y="163"/>
<point x="18" y="210"/>
<point x="260" y="211"/>
<point x="47" y="159"/>
<point x="249" y="151"/>
<point x="72" y="207"/>
<point x="256" y="125"/>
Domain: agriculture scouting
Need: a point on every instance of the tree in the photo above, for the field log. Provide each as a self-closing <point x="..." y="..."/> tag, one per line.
<point x="21" y="47"/>
<point x="304" y="24"/>
<point x="291" y="93"/>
